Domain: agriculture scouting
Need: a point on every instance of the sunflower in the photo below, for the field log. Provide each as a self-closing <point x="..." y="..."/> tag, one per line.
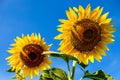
<point x="27" y="55"/>
<point x="85" y="33"/>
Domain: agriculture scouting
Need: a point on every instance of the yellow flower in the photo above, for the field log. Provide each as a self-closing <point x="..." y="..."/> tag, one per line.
<point x="27" y="55"/>
<point x="85" y="33"/>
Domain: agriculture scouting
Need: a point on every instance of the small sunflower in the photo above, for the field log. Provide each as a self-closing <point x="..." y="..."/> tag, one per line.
<point x="85" y="33"/>
<point x="27" y="55"/>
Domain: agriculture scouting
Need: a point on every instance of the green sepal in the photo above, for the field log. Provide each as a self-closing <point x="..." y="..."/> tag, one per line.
<point x="83" y="65"/>
<point x="53" y="74"/>
<point x="10" y="70"/>
<point x="98" y="75"/>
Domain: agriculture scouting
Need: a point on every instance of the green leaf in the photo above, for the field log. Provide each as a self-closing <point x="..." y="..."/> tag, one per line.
<point x="53" y="74"/>
<point x="98" y="75"/>
<point x="10" y="70"/>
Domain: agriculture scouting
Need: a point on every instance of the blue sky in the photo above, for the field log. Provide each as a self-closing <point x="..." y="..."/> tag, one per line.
<point x="41" y="16"/>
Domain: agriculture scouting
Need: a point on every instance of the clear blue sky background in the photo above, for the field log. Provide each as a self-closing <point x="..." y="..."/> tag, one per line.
<point x="41" y="16"/>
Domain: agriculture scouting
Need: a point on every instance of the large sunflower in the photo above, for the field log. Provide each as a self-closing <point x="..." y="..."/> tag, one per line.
<point x="85" y="33"/>
<point x="27" y="55"/>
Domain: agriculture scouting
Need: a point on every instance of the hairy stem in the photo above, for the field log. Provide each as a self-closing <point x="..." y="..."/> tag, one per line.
<point x="73" y="69"/>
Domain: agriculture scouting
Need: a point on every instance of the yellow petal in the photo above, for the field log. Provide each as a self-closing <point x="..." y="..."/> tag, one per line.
<point x="64" y="21"/>
<point x="68" y="15"/>
<point x="91" y="56"/>
<point x="81" y="13"/>
<point x="39" y="37"/>
<point x="105" y="26"/>
<point x="23" y="35"/>
<point x="108" y="35"/>
<point x="107" y="21"/>
<point x="73" y="15"/>
<point x="97" y="56"/>
<point x="94" y="13"/>
<point x="100" y="50"/>
<point x="87" y="11"/>
<point x="108" y="30"/>
<point x="60" y="36"/>
<point x="36" y="71"/>
<point x="70" y="49"/>
<point x="32" y="35"/>
<point x="103" y="46"/>
<point x="98" y="14"/>
<point x="48" y="61"/>
<point x="85" y="57"/>
<point x="80" y="57"/>
<point x="103" y="17"/>
<point x="75" y="9"/>
<point x="31" y="73"/>
<point x="64" y="42"/>
<point x="65" y="47"/>
<point x="107" y="40"/>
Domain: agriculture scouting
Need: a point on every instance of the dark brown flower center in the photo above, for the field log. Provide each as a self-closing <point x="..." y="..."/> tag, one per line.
<point x="88" y="33"/>
<point x="32" y="55"/>
<point x="85" y="35"/>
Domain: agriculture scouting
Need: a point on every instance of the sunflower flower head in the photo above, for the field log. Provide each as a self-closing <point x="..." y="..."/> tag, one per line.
<point x="27" y="55"/>
<point x="85" y="33"/>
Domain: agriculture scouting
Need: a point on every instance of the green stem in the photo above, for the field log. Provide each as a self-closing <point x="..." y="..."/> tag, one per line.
<point x="73" y="69"/>
<point x="82" y="70"/>
<point x="69" y="76"/>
